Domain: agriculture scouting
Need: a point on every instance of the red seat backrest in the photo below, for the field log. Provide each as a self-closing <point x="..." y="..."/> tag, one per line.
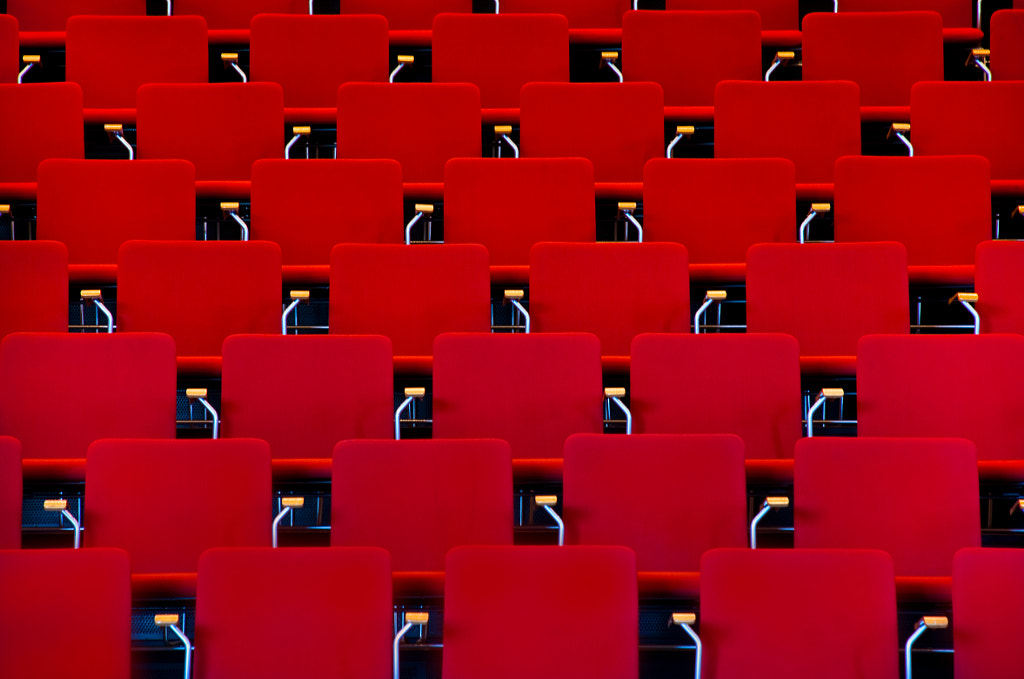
<point x="998" y="277"/>
<point x="955" y="14"/>
<point x="1006" y="38"/>
<point x="40" y="267"/>
<point x="53" y="15"/>
<point x="987" y="588"/>
<point x="407" y="15"/>
<point x="237" y="14"/>
<point x="10" y="493"/>
<point x="39" y="121"/>
<point x="580" y="13"/>
<point x="9" y="66"/>
<point x="776" y="15"/>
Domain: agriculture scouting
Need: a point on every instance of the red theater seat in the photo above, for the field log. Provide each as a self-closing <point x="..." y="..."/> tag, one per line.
<point x="43" y="23"/>
<point x="883" y="52"/>
<point x="110" y="57"/>
<point x="780" y="19"/>
<point x="410" y="293"/>
<point x="66" y="613"/>
<point x="9" y="43"/>
<point x="987" y="591"/>
<point x="418" y="500"/>
<point x="574" y="611"/>
<point x="509" y="205"/>
<point x="613" y="290"/>
<point x="33" y="287"/>
<point x="304" y="394"/>
<point x="93" y="206"/>
<point x="803" y="613"/>
<point x="311" y="56"/>
<point x="811" y="123"/>
<point x="693" y="202"/>
<point x="590" y="21"/>
<point x="199" y="293"/>
<point x="828" y="296"/>
<point x="957" y="16"/>
<point x="998" y="280"/>
<point x="309" y="206"/>
<point x="916" y="499"/>
<point x="1006" y="36"/>
<point x="229" y="20"/>
<point x="409" y="20"/>
<point x="669" y="498"/>
<point x="95" y="386"/>
<point x="308" y="612"/>
<point x="941" y="210"/>
<point x="10" y="493"/>
<point x="533" y="391"/>
<point x="166" y="502"/>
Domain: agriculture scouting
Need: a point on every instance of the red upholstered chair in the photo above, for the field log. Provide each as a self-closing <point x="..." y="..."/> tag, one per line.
<point x="304" y="394"/>
<point x="418" y="500"/>
<point x="590" y="21"/>
<point x="10" y="493"/>
<point x="533" y="391"/>
<point x="957" y="17"/>
<point x="691" y="201"/>
<point x="33" y="287"/>
<point x="916" y="499"/>
<point x="811" y="123"/>
<point x="39" y="121"/>
<point x="828" y="296"/>
<point x="668" y="497"/>
<point x="409" y="20"/>
<point x="42" y="24"/>
<point x="1006" y="38"/>
<point x="421" y="125"/>
<point x="199" y="293"/>
<point x="499" y="53"/>
<point x="956" y="386"/>
<point x="110" y="57"/>
<point x="941" y="211"/>
<point x="84" y="592"/>
<point x="574" y="610"/>
<point x="166" y="502"/>
<point x="309" y="206"/>
<point x="748" y="385"/>
<point x="780" y="19"/>
<point x="618" y="126"/>
<point x="96" y="386"/>
<point x="311" y="56"/>
<point x="509" y="205"/>
<point x="987" y="591"/>
<point x="342" y="597"/>
<point x="613" y="290"/>
<point x="410" y="293"/>
<point x="803" y="613"/>
<point x="650" y="52"/>
<point x="9" y="45"/>
<point x="93" y="206"/>
<point x="221" y="128"/>
<point x="229" y="20"/>
<point x="883" y="52"/>
<point x="997" y="280"/>
<point x="979" y="118"/>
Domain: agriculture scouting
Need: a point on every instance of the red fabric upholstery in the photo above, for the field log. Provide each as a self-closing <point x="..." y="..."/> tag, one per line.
<point x="959" y="118"/>
<point x="998" y="278"/>
<point x="828" y="296"/>
<point x="66" y="613"/>
<point x="419" y="499"/>
<point x="221" y="128"/>
<point x="251" y="600"/>
<point x="9" y="62"/>
<point x="500" y="53"/>
<point x="883" y="52"/>
<point x="110" y="57"/>
<point x="748" y="385"/>
<point x="410" y="293"/>
<point x="776" y="15"/>
<point x="580" y="13"/>
<point x="803" y="613"/>
<point x="650" y="52"/>
<point x="93" y="206"/>
<point x="421" y="125"/>
<point x="38" y="121"/>
<point x="311" y="56"/>
<point x="669" y="498"/>
<point x="916" y="499"/>
<point x="943" y="386"/>
<point x="407" y="15"/>
<point x="1006" y="38"/>
<point x="987" y="592"/>
<point x="618" y="126"/>
<point x="95" y="386"/>
<point x="957" y="17"/>
<point x="941" y="211"/>
<point x="691" y="201"/>
<point x="811" y="123"/>
<point x="573" y="609"/>
<point x="165" y="502"/>
<point x="237" y="14"/>
<point x="491" y="386"/>
<point x="53" y="15"/>
<point x="613" y="290"/>
<point x="304" y="394"/>
<point x="309" y="206"/>
<point x="10" y="493"/>
<point x="33" y="287"/>
<point x="508" y="205"/>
